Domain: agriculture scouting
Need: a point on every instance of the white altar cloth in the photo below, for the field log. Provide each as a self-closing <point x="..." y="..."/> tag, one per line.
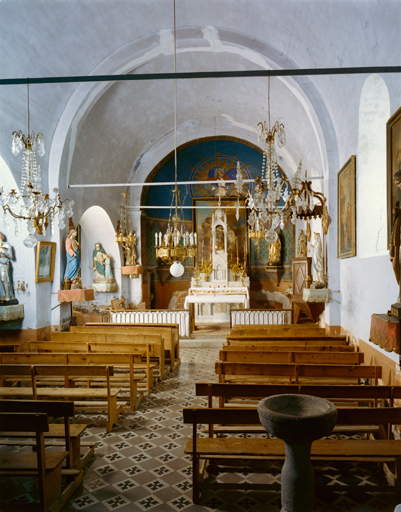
<point x="218" y="295"/>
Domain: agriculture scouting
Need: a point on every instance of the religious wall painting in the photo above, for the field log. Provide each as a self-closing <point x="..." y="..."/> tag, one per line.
<point x="45" y="257"/>
<point x="217" y="167"/>
<point x="346" y="209"/>
<point x="237" y="242"/>
<point x="393" y="168"/>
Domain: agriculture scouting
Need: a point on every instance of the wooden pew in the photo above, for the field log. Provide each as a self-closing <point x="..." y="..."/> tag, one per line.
<point x="280" y="329"/>
<point x="241" y="395"/>
<point x="294" y="341"/>
<point x="295" y="346"/>
<point x="267" y="338"/>
<point x="100" y="399"/>
<point x="296" y="373"/>
<point x="155" y="342"/>
<point x="224" y="450"/>
<point x="67" y="435"/>
<point x="125" y="361"/>
<point x="169" y="332"/>
<point x="46" y="465"/>
<point x="290" y="356"/>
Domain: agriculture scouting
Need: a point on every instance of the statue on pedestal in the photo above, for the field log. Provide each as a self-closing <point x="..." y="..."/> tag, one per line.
<point x="73" y="259"/>
<point x="302" y="245"/>
<point x="6" y="284"/>
<point x="317" y="260"/>
<point x="275" y="253"/>
<point x="104" y="281"/>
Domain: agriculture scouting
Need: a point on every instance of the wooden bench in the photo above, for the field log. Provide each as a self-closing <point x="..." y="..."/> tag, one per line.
<point x="66" y="434"/>
<point x="290" y="356"/>
<point x="293" y="373"/>
<point x="293" y="340"/>
<point x="241" y="395"/>
<point x="89" y="399"/>
<point x="124" y="361"/>
<point x="267" y="338"/>
<point x="154" y="342"/>
<point x="169" y="333"/>
<point x="219" y="453"/>
<point x="46" y="465"/>
<point x="295" y="346"/>
<point x="279" y="330"/>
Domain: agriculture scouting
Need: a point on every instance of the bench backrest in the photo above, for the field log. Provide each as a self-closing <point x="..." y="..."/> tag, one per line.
<point x="54" y="408"/>
<point x="296" y="347"/>
<point x="305" y="342"/>
<point x="301" y="357"/>
<point x="19" y="421"/>
<point x="332" y="392"/>
<point x="280" y="328"/>
<point x="268" y="338"/>
<point x="170" y="332"/>
<point x="105" y="337"/>
<point x="57" y="370"/>
<point x="69" y="358"/>
<point x="295" y="371"/>
<point x="247" y="416"/>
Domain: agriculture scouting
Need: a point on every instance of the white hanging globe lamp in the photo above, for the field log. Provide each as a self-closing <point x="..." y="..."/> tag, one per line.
<point x="177" y="269"/>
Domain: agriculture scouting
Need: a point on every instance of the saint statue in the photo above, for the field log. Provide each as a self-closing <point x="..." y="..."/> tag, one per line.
<point x="302" y="245"/>
<point x="317" y="259"/>
<point x="6" y="283"/>
<point x="275" y="252"/>
<point x="73" y="259"/>
<point x="101" y="263"/>
<point x="130" y="251"/>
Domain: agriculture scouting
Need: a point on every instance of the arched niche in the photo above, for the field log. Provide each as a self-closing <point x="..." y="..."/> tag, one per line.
<point x="96" y="227"/>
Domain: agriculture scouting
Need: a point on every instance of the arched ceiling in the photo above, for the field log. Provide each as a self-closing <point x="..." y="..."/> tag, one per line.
<point x="118" y="132"/>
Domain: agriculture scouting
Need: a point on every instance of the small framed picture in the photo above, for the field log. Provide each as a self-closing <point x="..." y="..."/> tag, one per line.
<point x="346" y="210"/>
<point x="45" y="257"/>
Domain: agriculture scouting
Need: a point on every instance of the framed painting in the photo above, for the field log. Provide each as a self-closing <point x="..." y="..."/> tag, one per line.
<point x="236" y="235"/>
<point x="393" y="168"/>
<point x="45" y="257"/>
<point x="346" y="210"/>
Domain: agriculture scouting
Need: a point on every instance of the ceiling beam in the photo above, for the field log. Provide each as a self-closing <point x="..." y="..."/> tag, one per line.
<point x="202" y="74"/>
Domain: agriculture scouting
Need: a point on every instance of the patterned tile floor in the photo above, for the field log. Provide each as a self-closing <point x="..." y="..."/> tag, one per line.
<point x="141" y="466"/>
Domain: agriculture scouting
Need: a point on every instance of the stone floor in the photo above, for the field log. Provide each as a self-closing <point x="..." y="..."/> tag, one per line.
<point x="141" y="466"/>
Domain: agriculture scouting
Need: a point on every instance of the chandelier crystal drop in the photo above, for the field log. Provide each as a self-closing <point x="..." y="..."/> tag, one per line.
<point x="38" y="209"/>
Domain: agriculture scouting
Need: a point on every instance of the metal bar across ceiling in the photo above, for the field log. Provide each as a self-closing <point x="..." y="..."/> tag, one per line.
<point x="202" y="74"/>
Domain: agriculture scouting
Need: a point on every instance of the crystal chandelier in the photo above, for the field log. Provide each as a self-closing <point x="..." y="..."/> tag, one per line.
<point x="274" y="198"/>
<point x="30" y="204"/>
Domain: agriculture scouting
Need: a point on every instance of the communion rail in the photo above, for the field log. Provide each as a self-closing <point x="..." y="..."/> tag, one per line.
<point x="260" y="316"/>
<point x="153" y="316"/>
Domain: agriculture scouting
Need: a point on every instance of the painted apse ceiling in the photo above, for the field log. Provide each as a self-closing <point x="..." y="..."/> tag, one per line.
<point x="206" y="159"/>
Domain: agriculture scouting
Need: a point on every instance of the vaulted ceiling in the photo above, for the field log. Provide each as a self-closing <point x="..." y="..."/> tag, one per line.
<point x="119" y="131"/>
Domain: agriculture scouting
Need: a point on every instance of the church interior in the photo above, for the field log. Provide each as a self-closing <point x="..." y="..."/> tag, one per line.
<point x="181" y="181"/>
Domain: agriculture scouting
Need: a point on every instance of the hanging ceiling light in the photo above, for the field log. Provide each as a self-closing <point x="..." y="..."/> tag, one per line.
<point x="274" y="198"/>
<point x="177" y="243"/>
<point x="31" y="205"/>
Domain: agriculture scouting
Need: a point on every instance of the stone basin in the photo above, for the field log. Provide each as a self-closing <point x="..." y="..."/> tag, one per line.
<point x="297" y="418"/>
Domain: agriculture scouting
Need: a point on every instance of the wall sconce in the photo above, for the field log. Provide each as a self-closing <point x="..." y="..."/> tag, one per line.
<point x="21" y="286"/>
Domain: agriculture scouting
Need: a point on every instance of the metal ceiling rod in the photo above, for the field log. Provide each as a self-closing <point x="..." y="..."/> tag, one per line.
<point x="203" y="74"/>
<point x="163" y="183"/>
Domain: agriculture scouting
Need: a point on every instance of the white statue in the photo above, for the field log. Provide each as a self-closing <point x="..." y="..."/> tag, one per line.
<point x="101" y="263"/>
<point x="317" y="259"/>
<point x="6" y="284"/>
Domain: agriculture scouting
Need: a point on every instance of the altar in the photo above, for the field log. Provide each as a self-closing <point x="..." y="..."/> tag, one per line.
<point x="213" y="304"/>
<point x="218" y="285"/>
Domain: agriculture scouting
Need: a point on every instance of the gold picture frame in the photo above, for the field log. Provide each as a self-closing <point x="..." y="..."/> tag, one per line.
<point x="346" y="209"/>
<point x="393" y="165"/>
<point x="45" y="258"/>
